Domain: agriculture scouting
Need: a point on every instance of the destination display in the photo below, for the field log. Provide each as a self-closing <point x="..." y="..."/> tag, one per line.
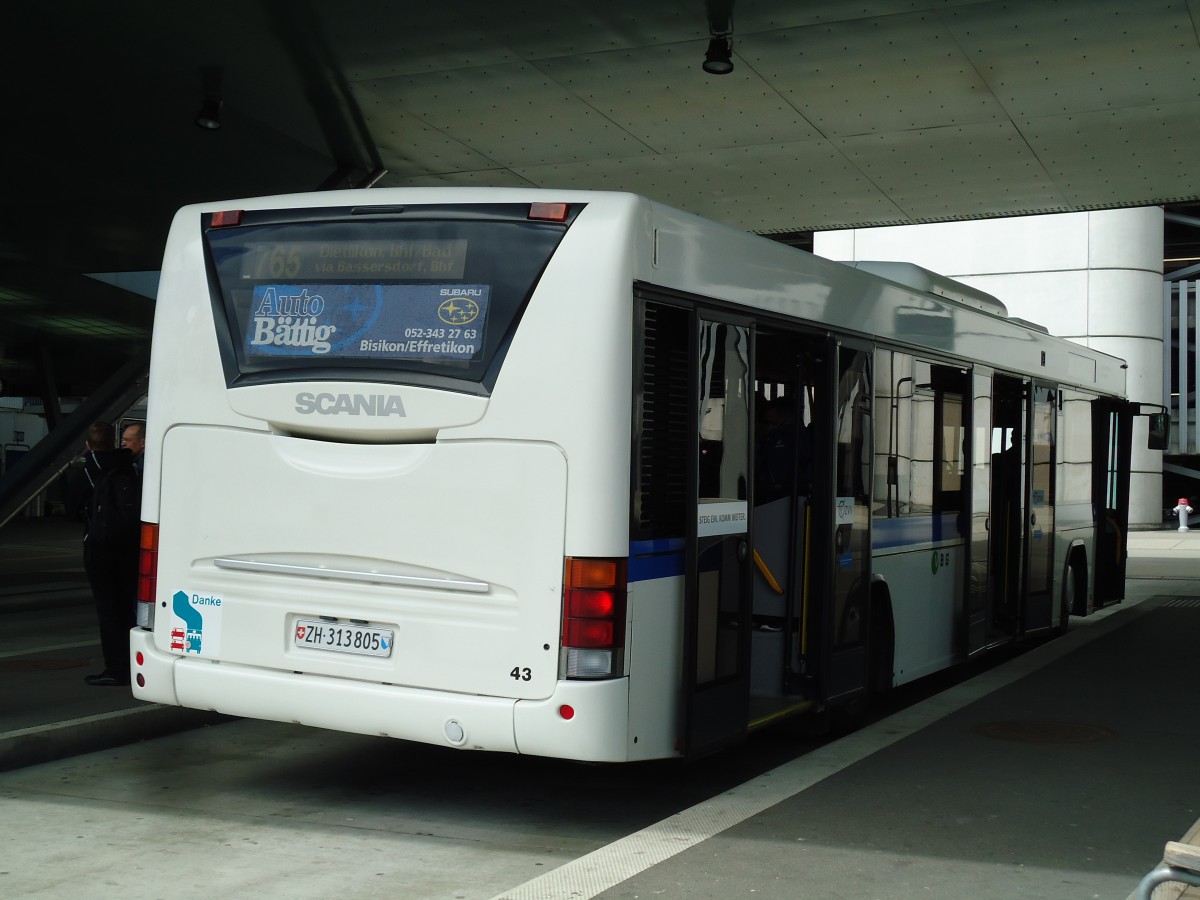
<point x="367" y="321"/>
<point x="306" y="260"/>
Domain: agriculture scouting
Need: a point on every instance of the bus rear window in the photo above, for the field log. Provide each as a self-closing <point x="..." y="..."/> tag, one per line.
<point x="416" y="295"/>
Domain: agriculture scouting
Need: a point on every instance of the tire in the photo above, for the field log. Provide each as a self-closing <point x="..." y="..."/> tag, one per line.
<point x="1074" y="593"/>
<point x="881" y="665"/>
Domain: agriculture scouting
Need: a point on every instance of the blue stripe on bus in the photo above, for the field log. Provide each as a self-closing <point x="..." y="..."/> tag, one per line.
<point x="664" y="558"/>
<point x="661" y="558"/>
<point x="905" y="530"/>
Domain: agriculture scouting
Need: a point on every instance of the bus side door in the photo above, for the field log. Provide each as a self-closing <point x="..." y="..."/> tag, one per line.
<point x="846" y="625"/>
<point x="718" y="592"/>
<point x="1112" y="441"/>
<point x="997" y="510"/>
<point x="1040" y="607"/>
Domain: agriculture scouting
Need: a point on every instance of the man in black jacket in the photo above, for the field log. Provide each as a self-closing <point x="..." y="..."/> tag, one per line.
<point x="110" y="547"/>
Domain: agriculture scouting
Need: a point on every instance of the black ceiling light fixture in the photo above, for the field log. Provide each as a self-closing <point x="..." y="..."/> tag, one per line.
<point x="719" y="58"/>
<point x="209" y="116"/>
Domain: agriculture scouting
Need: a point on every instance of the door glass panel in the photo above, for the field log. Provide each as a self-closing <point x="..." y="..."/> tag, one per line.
<point x="722" y="513"/>
<point x="978" y="611"/>
<point x="1043" y="422"/>
<point x="1113" y="481"/>
<point x="785" y="391"/>
<point x="852" y="520"/>
<point x="1007" y="531"/>
<point x="1111" y="425"/>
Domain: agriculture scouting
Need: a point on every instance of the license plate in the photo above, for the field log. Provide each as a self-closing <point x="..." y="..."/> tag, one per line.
<point x="343" y="637"/>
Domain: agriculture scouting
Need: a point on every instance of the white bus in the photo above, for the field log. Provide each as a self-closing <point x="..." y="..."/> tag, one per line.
<point x="579" y="475"/>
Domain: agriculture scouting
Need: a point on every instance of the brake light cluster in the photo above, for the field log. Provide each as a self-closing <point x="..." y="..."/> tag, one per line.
<point x="147" y="575"/>
<point x="593" y="633"/>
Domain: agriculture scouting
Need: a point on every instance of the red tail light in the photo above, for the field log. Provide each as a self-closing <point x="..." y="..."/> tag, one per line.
<point x="583" y="604"/>
<point x="596" y="633"/>
<point x="593" y="635"/>
<point x="147" y="574"/>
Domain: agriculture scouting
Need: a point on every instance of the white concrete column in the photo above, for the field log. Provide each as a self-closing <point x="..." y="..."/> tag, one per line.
<point x="1093" y="277"/>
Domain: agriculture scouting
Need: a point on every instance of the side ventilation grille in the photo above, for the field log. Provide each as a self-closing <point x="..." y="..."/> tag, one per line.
<point x="661" y="429"/>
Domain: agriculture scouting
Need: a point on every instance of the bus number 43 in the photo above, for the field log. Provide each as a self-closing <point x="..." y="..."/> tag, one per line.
<point x="519" y="674"/>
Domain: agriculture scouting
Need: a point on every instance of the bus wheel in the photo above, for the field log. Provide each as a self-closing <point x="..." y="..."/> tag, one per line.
<point x="881" y="663"/>
<point x="882" y="644"/>
<point x="1074" y="593"/>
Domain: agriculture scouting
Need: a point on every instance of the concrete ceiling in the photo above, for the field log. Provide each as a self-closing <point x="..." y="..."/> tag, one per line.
<point x="837" y="114"/>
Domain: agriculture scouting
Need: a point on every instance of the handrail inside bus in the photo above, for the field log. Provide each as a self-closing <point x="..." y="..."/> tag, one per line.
<point x="447" y="584"/>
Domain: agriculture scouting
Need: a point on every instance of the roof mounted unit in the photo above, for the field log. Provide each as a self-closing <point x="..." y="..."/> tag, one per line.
<point x="1032" y="326"/>
<point x="919" y="279"/>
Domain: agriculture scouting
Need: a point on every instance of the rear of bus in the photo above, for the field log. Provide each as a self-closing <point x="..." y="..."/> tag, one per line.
<point x="387" y="467"/>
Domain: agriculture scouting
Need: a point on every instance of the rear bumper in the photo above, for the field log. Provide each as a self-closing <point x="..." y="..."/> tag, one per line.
<point x="596" y="732"/>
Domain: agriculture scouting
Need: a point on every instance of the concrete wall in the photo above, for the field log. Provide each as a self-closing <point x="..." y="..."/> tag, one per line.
<point x="1094" y="277"/>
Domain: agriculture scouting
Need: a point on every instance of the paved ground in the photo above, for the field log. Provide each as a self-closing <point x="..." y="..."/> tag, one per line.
<point x="48" y="643"/>
<point x="1060" y="773"/>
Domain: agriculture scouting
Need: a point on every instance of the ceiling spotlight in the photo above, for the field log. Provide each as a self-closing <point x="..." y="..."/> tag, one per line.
<point x="209" y="115"/>
<point x="211" y="84"/>
<point x="719" y="58"/>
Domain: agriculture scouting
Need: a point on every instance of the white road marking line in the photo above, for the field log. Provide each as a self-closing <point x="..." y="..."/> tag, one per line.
<point x="608" y="866"/>
<point x="32" y="650"/>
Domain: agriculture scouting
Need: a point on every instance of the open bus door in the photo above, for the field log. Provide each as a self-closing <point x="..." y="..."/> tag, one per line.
<point x="718" y="594"/>
<point x="846" y="628"/>
<point x="1039" y="607"/>
<point x="997" y="510"/>
<point x="790" y="508"/>
<point x="1112" y="443"/>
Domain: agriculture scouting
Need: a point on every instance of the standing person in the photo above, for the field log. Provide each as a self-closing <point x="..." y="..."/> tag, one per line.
<point x="133" y="438"/>
<point x="110" y="546"/>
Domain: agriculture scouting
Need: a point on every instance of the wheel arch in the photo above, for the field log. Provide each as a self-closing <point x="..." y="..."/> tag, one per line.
<point x="881" y="665"/>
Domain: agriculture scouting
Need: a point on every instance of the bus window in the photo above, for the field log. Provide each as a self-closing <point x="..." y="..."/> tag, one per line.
<point x="921" y="459"/>
<point x="420" y="295"/>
